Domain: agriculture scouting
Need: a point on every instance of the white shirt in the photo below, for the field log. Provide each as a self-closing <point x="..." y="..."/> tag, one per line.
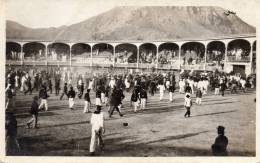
<point x="127" y="84"/>
<point x="161" y="88"/>
<point x="187" y="102"/>
<point x="90" y="85"/>
<point x="97" y="121"/>
<point x="112" y="83"/>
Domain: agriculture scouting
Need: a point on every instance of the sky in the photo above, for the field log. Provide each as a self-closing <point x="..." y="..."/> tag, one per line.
<point x="55" y="13"/>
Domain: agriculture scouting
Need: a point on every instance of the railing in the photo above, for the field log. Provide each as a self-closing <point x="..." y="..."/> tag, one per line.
<point x="13" y="62"/>
<point x="130" y="65"/>
<point x="147" y="65"/>
<point x="193" y="67"/>
<point x="238" y="59"/>
<point x="37" y="62"/>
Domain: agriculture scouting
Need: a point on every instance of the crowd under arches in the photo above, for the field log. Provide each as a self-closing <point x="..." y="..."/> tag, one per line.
<point x="164" y="55"/>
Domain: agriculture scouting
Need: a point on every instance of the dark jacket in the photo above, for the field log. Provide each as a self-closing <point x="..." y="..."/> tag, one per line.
<point x="71" y="94"/>
<point x="199" y="94"/>
<point x="171" y="88"/>
<point x="34" y="107"/>
<point x="143" y="94"/>
<point x="43" y="94"/>
<point x="86" y="97"/>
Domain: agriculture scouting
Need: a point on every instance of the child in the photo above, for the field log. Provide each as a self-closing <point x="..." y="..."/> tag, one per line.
<point x="187" y="105"/>
<point x="87" y="101"/>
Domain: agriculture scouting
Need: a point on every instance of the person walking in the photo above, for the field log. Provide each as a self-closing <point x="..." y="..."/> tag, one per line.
<point x="65" y="91"/>
<point x="34" y="112"/>
<point x="116" y="99"/>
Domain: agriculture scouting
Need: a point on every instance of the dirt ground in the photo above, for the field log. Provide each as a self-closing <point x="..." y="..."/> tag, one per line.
<point x="161" y="130"/>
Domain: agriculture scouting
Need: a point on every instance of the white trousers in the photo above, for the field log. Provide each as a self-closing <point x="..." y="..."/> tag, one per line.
<point x="135" y="106"/>
<point x="86" y="107"/>
<point x="94" y="138"/>
<point x="71" y="102"/>
<point x="198" y="100"/>
<point x="103" y="97"/>
<point x="143" y="103"/>
<point x="98" y="101"/>
<point x="170" y="96"/>
<point x="44" y="102"/>
<point x="216" y="91"/>
<point x="161" y="96"/>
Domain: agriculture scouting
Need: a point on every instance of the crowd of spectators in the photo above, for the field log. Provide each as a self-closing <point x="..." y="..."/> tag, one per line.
<point x="238" y="54"/>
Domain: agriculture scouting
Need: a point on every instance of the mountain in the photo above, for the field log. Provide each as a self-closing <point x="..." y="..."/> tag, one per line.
<point x="141" y="23"/>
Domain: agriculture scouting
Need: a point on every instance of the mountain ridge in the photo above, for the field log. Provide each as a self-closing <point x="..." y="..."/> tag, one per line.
<point x="141" y="23"/>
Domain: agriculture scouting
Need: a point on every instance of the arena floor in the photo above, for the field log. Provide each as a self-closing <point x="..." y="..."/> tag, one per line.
<point x="161" y="130"/>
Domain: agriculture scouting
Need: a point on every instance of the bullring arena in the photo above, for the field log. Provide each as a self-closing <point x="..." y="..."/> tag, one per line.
<point x="160" y="129"/>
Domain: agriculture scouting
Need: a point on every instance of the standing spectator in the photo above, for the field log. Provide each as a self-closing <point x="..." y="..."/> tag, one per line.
<point x="187" y="105"/>
<point x="198" y="97"/>
<point x="171" y="91"/>
<point x="219" y="148"/>
<point x="43" y="96"/>
<point x="161" y="90"/>
<point x="222" y="88"/>
<point x="12" y="145"/>
<point x="98" y="128"/>
<point x="134" y="100"/>
<point x="57" y="86"/>
<point x="87" y="102"/>
<point x="50" y="85"/>
<point x="71" y="96"/>
<point x="217" y="85"/>
<point x="98" y="96"/>
<point x="143" y="97"/>
<point x="34" y="113"/>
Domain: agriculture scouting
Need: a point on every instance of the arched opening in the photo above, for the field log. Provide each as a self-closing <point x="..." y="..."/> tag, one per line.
<point x="147" y="53"/>
<point x="58" y="52"/>
<point x="34" y="51"/>
<point x="13" y="51"/>
<point x="81" y="52"/>
<point x="238" y="51"/>
<point x="102" y="53"/>
<point x="168" y="53"/>
<point x="192" y="53"/>
<point x="126" y="53"/>
<point x="215" y="53"/>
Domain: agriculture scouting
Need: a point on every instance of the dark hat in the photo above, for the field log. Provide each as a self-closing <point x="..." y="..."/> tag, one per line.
<point x="188" y="96"/>
<point x="221" y="129"/>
